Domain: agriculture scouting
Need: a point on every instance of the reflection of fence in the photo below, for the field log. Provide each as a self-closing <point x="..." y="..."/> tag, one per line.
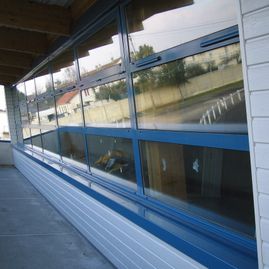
<point x="223" y="104"/>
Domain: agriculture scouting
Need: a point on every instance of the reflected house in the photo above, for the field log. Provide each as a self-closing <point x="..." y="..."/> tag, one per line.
<point x="47" y="115"/>
<point x="67" y="103"/>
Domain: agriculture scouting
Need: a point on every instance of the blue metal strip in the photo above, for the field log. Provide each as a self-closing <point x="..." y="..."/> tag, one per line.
<point x="215" y="140"/>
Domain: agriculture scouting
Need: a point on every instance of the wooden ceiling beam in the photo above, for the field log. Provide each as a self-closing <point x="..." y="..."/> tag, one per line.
<point x="25" y="15"/>
<point x="78" y="7"/>
<point x="15" y="59"/>
<point x="7" y="80"/>
<point x="23" y="41"/>
<point x="12" y="71"/>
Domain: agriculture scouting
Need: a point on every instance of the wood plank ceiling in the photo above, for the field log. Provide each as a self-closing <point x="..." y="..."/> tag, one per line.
<point x="28" y="28"/>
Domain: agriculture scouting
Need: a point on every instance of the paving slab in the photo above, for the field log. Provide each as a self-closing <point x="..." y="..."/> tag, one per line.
<point x="33" y="235"/>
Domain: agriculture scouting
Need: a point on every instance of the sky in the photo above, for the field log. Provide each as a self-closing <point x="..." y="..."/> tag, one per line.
<point x="2" y="98"/>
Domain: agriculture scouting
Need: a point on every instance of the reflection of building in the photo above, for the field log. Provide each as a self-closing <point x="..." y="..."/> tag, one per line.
<point x="67" y="103"/>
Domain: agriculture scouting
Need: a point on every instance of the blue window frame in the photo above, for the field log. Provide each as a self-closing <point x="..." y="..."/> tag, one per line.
<point x="127" y="70"/>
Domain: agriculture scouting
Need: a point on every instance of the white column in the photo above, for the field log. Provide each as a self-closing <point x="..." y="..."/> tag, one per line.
<point x="13" y="114"/>
<point x="254" y="38"/>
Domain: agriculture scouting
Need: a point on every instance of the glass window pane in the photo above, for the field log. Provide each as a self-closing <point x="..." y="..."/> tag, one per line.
<point x="112" y="157"/>
<point x="21" y="92"/>
<point x="24" y="113"/>
<point x="30" y="90"/>
<point x="100" y="51"/>
<point x="36" y="139"/>
<point x="33" y="113"/>
<point x="202" y="92"/>
<point x="184" y="21"/>
<point x="73" y="148"/>
<point x="69" y="108"/>
<point x="64" y="72"/>
<point x="26" y="133"/>
<point x="47" y="113"/>
<point x="213" y="183"/>
<point x="43" y="82"/>
<point x="50" y="142"/>
<point x="107" y="105"/>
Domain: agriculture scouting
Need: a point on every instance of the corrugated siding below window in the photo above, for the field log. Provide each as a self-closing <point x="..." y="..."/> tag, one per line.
<point x="125" y="244"/>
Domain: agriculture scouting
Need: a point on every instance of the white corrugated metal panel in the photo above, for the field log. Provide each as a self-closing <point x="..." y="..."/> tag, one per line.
<point x="254" y="37"/>
<point x="121" y="241"/>
<point x="261" y="130"/>
<point x="256" y="23"/>
<point x="264" y="208"/>
<point x="250" y="5"/>
<point x="265" y="251"/>
<point x="259" y="104"/>
<point x="265" y="229"/>
<point x="258" y="77"/>
<point x="262" y="156"/>
<point x="257" y="50"/>
<point x="263" y="180"/>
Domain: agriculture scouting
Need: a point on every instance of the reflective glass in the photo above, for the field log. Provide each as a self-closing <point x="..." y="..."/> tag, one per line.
<point x="26" y="133"/>
<point x="100" y="51"/>
<point x="184" y="21"/>
<point x="24" y="113"/>
<point x="33" y="113"/>
<point x="69" y="108"/>
<point x="50" y="141"/>
<point x="107" y="105"/>
<point x="73" y="148"/>
<point x="43" y="82"/>
<point x="213" y="183"/>
<point x="21" y="92"/>
<point x="36" y="139"/>
<point x="47" y="113"/>
<point x="30" y="90"/>
<point x="64" y="72"/>
<point x="203" y="92"/>
<point x="113" y="158"/>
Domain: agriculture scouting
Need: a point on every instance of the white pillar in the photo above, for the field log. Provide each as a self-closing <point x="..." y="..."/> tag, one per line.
<point x="254" y="38"/>
<point x="13" y="114"/>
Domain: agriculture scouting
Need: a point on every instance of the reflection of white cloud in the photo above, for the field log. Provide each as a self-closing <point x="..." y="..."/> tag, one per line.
<point x="181" y="25"/>
<point x="101" y="55"/>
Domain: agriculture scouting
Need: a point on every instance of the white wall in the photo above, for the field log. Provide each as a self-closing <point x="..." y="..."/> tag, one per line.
<point x="125" y="244"/>
<point x="6" y="157"/>
<point x="254" y="37"/>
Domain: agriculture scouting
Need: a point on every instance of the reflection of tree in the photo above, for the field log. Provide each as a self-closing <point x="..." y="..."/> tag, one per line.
<point x="112" y="91"/>
<point x="195" y="69"/>
<point x="21" y="96"/>
<point x="173" y="73"/>
<point x="68" y="75"/>
<point x="143" y="51"/>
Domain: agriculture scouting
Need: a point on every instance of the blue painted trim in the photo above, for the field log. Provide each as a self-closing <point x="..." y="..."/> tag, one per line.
<point x="185" y="243"/>
<point x="215" y="140"/>
<point x="188" y="49"/>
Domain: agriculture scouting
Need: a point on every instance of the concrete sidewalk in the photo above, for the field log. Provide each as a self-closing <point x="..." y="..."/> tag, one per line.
<point x="33" y="235"/>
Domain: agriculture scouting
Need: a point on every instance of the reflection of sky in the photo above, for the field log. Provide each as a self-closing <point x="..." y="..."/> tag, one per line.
<point x="30" y="87"/>
<point x="177" y="26"/>
<point x="101" y="55"/>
